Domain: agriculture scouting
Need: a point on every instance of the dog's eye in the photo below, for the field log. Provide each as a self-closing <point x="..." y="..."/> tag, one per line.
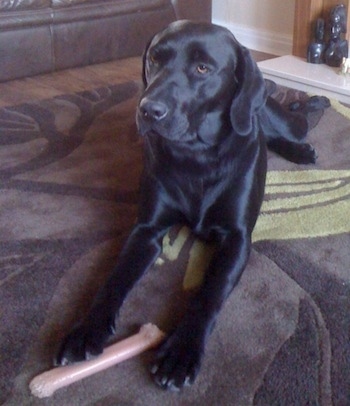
<point x="153" y="59"/>
<point x="202" y="69"/>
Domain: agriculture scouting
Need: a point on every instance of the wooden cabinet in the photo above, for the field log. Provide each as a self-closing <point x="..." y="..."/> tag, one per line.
<point x="306" y="13"/>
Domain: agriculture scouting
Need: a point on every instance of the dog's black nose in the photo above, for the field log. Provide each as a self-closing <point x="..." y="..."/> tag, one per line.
<point x="153" y="110"/>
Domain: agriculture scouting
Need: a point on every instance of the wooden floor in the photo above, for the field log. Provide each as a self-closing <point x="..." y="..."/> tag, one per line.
<point x="75" y="80"/>
<point x="69" y="81"/>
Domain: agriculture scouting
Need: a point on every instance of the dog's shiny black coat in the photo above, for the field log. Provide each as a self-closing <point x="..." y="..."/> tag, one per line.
<point x="206" y="119"/>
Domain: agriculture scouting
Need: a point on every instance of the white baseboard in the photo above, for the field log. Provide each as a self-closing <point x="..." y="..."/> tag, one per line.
<point x="260" y="40"/>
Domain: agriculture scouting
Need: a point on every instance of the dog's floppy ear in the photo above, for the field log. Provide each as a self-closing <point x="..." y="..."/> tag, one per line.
<point x="144" y="67"/>
<point x="250" y="93"/>
<point x="144" y="61"/>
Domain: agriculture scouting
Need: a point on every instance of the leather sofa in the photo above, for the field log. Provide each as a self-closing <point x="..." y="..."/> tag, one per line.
<point x="41" y="36"/>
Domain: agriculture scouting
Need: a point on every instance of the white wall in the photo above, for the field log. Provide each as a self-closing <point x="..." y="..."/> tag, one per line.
<point x="263" y="25"/>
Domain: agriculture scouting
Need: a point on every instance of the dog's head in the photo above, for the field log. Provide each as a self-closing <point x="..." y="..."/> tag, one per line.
<point x="200" y="83"/>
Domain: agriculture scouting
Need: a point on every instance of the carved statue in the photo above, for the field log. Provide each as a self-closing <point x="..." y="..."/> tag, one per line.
<point x="316" y="49"/>
<point x="337" y="47"/>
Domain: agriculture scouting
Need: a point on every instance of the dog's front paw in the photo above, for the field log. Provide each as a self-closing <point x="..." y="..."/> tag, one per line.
<point x="177" y="363"/>
<point x="84" y="342"/>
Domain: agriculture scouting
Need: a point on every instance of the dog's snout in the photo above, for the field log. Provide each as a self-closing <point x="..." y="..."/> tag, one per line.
<point x="153" y="110"/>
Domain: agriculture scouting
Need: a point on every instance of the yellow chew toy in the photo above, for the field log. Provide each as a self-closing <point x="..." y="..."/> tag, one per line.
<point x="45" y="384"/>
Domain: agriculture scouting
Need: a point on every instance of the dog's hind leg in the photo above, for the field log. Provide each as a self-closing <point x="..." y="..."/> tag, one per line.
<point x="311" y="105"/>
<point x="285" y="129"/>
<point x="278" y="121"/>
<point x="299" y="153"/>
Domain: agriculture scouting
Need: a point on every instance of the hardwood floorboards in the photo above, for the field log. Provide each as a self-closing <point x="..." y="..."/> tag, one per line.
<point x="75" y="80"/>
<point x="69" y="81"/>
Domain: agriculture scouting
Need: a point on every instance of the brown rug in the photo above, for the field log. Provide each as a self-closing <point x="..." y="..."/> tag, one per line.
<point x="69" y="170"/>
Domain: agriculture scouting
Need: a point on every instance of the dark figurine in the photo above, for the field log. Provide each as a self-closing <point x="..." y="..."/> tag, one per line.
<point x="316" y="49"/>
<point x="337" y="48"/>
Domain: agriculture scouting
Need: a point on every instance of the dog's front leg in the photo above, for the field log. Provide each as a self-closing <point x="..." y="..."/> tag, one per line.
<point x="89" y="336"/>
<point x="178" y="359"/>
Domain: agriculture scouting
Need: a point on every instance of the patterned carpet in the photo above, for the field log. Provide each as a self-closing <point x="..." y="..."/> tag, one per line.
<point x="69" y="169"/>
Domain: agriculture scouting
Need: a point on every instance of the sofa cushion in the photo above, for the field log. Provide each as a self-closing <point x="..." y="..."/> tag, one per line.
<point x="10" y="5"/>
<point x="120" y="28"/>
<point x="39" y="36"/>
<point x="96" y="9"/>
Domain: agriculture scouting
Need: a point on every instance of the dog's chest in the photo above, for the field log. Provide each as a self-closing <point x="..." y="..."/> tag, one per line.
<point x="200" y="203"/>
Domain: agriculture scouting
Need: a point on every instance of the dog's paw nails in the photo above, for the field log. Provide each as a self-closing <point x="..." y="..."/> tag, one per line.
<point x="308" y="154"/>
<point x="154" y="368"/>
<point x="83" y="343"/>
<point x="303" y="154"/>
<point x="177" y="364"/>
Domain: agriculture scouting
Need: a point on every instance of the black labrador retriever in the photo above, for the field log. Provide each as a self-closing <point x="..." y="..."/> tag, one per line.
<point x="206" y="119"/>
